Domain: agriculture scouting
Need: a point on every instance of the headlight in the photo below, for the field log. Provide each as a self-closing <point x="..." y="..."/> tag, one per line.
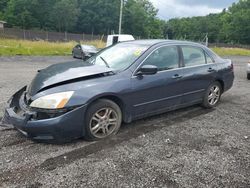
<point x="53" y="101"/>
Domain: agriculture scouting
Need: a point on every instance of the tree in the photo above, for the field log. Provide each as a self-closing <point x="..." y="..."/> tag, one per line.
<point x="84" y="16"/>
<point x="42" y="12"/>
<point x="237" y="21"/>
<point x="3" y="6"/>
<point x="230" y="26"/>
<point x="20" y="13"/>
<point x="140" y="19"/>
<point x="64" y="15"/>
<point x="98" y="17"/>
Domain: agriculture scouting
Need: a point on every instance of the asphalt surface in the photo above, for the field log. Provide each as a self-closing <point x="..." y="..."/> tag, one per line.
<point x="191" y="147"/>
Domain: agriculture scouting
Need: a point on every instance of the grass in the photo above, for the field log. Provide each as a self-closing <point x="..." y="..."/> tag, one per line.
<point x="231" y="51"/>
<point x="11" y="47"/>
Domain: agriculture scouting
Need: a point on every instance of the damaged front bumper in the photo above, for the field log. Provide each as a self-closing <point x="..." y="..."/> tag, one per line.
<point x="58" y="125"/>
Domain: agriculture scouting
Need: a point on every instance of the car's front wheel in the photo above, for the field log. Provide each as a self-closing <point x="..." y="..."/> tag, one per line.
<point x="248" y="76"/>
<point x="212" y="95"/>
<point x="103" y="119"/>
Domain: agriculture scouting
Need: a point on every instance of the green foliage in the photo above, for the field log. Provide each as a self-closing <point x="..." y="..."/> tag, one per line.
<point x="65" y="14"/>
<point x="84" y="16"/>
<point x="98" y="17"/>
<point x="230" y="26"/>
<point x="20" y="12"/>
<point x="3" y="5"/>
<point x="139" y="19"/>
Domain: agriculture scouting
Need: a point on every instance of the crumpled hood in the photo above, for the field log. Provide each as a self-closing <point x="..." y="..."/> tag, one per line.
<point x="64" y="72"/>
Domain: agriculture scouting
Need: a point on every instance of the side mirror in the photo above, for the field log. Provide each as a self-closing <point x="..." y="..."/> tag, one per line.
<point x="147" y="70"/>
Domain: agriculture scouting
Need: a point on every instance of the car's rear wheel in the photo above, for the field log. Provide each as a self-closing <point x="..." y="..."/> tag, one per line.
<point x="103" y="119"/>
<point x="212" y="95"/>
<point x="248" y="76"/>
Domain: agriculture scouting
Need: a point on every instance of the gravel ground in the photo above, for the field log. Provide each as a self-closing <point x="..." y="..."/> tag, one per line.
<point x="191" y="147"/>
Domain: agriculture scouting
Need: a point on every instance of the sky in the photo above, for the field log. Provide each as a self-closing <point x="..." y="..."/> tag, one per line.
<point x="187" y="8"/>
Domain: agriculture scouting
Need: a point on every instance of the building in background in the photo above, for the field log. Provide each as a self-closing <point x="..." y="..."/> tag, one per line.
<point x="2" y="24"/>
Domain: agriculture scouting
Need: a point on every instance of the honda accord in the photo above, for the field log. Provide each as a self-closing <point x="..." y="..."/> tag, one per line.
<point x="121" y="83"/>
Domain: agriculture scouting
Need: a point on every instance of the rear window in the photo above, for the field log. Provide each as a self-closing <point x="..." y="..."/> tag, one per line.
<point x="193" y="56"/>
<point x="209" y="59"/>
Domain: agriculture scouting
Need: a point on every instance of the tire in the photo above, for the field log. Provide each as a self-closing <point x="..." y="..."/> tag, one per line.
<point x="82" y="56"/>
<point x="248" y="76"/>
<point x="103" y="119"/>
<point x="73" y="54"/>
<point x="212" y="96"/>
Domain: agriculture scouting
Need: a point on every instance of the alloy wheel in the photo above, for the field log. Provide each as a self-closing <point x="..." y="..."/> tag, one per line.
<point x="214" y="95"/>
<point x="103" y="122"/>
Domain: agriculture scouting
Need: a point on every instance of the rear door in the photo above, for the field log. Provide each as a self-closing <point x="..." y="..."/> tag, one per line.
<point x="199" y="71"/>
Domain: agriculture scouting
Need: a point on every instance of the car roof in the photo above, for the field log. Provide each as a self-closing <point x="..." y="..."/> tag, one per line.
<point x="151" y="42"/>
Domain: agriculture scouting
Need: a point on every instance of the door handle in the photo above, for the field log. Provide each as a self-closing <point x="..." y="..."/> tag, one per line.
<point x="176" y="76"/>
<point x="211" y="70"/>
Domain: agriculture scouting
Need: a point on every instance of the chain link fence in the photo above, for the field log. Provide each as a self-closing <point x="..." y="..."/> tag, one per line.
<point x="16" y="33"/>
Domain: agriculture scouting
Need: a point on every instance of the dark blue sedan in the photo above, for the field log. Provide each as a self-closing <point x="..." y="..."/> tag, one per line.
<point x="122" y="83"/>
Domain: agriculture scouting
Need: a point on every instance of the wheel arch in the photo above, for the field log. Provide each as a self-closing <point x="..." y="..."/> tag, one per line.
<point x="221" y="83"/>
<point x="118" y="101"/>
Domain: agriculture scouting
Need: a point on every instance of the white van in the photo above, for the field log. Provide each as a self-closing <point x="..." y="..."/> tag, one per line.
<point x="113" y="39"/>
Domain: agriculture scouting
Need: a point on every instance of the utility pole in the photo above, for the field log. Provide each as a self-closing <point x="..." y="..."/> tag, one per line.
<point x="207" y="39"/>
<point x="120" y="21"/>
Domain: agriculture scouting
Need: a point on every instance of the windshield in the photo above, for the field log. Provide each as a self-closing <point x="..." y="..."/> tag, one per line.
<point x="118" y="57"/>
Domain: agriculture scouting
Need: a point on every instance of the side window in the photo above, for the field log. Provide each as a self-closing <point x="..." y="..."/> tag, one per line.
<point x="164" y="58"/>
<point x="209" y="59"/>
<point x="193" y="56"/>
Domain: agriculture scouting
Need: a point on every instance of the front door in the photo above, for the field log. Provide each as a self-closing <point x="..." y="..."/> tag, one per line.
<point x="160" y="92"/>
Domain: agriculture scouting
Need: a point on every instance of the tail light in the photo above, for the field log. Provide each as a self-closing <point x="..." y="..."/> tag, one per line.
<point x="231" y="66"/>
